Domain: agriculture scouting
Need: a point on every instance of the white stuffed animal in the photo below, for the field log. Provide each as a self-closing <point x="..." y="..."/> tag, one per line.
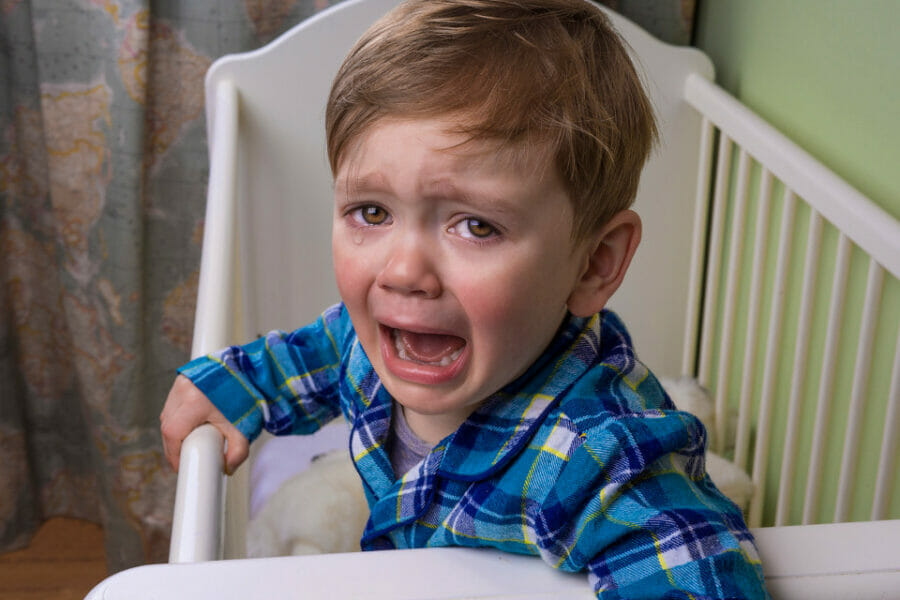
<point x="317" y="511"/>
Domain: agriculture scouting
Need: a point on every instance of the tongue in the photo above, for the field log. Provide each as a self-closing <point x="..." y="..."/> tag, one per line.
<point x="429" y="347"/>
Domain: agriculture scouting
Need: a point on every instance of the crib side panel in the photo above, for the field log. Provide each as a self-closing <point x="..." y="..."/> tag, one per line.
<point x="801" y="324"/>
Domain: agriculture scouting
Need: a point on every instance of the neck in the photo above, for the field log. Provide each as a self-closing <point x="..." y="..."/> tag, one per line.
<point x="433" y="428"/>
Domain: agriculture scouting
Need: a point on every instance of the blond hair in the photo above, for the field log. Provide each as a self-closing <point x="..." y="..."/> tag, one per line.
<point x="529" y="74"/>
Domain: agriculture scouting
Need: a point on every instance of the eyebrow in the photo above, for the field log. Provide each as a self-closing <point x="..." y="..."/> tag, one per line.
<point x="445" y="188"/>
<point x="353" y="184"/>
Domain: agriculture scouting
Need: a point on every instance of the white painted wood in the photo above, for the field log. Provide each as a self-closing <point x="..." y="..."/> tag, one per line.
<point x="770" y="367"/>
<point x="890" y="439"/>
<point x="826" y="379"/>
<point x="759" y="248"/>
<point x="799" y="368"/>
<point x="847" y="481"/>
<point x="698" y="249"/>
<point x="197" y="522"/>
<point x="717" y="238"/>
<point x="653" y="297"/>
<point x="835" y="561"/>
<point x="733" y="277"/>
<point x="421" y="574"/>
<point x="866" y="224"/>
<point x="213" y="324"/>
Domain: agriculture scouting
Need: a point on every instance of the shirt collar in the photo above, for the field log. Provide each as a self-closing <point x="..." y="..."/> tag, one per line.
<point x="499" y="428"/>
<point x="487" y="441"/>
<point x="505" y="422"/>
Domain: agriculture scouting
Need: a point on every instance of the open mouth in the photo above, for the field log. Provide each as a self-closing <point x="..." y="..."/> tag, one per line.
<point x="432" y="349"/>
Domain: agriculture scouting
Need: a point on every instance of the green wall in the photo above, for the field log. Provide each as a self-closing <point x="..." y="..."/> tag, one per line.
<point x="825" y="72"/>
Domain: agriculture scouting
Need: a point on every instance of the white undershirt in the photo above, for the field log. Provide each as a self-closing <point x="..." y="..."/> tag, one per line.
<point x="406" y="448"/>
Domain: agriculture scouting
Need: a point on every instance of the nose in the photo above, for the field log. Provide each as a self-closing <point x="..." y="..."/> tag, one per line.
<point x="410" y="268"/>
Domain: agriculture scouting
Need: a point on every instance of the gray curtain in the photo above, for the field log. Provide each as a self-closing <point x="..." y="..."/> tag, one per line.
<point x="103" y="169"/>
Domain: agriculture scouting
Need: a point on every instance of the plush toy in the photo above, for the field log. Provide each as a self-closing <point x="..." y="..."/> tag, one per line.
<point x="317" y="511"/>
<point x="322" y="509"/>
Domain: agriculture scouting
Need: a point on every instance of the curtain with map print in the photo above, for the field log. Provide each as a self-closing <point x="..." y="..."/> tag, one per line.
<point x="103" y="169"/>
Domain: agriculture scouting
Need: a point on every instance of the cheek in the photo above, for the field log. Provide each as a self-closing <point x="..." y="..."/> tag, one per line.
<point x="349" y="274"/>
<point x="519" y="299"/>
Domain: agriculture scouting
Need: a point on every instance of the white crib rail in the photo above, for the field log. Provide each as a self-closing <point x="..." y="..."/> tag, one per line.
<point x="197" y="523"/>
<point x="866" y="224"/>
<point x="756" y="393"/>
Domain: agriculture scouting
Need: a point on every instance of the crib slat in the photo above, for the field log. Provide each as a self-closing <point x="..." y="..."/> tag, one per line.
<point x="742" y="443"/>
<point x="770" y="369"/>
<point x="698" y="245"/>
<point x="826" y="379"/>
<point x="731" y="287"/>
<point x="798" y="377"/>
<point x="887" y="462"/>
<point x="858" y="394"/>
<point x="870" y="227"/>
<point x="715" y="258"/>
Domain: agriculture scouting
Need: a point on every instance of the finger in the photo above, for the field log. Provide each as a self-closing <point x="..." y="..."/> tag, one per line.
<point x="172" y="436"/>
<point x="236" y="445"/>
<point x="236" y="452"/>
<point x="173" y="398"/>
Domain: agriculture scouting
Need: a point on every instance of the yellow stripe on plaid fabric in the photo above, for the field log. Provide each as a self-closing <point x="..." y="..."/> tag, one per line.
<point x="662" y="563"/>
<point x="525" y="485"/>
<point x="556" y="439"/>
<point x="487" y="539"/>
<point x="275" y="361"/>
<point x="334" y="344"/>
<point x="366" y="452"/>
<point x="525" y="414"/>
<point x="287" y="382"/>
<point x="259" y="402"/>
<point x="632" y="382"/>
<point x="231" y="372"/>
<point x="359" y="393"/>
<point x="400" y="494"/>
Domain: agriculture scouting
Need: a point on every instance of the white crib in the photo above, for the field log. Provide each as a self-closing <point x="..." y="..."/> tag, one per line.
<point x="768" y="325"/>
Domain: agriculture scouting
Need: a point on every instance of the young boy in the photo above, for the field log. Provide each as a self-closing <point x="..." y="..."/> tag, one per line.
<point x="485" y="153"/>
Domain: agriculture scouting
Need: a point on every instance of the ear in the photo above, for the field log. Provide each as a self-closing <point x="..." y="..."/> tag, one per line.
<point x="607" y="255"/>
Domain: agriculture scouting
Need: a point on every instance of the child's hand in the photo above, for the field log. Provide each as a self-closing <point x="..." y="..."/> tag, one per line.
<point x="187" y="408"/>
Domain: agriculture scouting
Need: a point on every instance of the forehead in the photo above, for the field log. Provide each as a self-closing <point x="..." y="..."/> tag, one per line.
<point x="442" y="152"/>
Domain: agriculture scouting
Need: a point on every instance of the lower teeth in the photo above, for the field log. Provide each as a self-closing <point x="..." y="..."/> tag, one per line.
<point x="401" y="352"/>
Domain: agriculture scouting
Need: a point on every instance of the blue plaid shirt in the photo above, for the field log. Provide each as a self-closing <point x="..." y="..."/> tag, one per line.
<point x="582" y="460"/>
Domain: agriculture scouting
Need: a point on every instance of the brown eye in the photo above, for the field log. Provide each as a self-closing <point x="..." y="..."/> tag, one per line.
<point x="479" y="229"/>
<point x="373" y="215"/>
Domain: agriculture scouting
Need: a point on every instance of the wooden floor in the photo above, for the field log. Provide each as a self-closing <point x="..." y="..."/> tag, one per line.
<point x="65" y="560"/>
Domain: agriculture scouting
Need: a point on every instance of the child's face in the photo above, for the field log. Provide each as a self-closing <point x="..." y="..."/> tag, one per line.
<point x="455" y="266"/>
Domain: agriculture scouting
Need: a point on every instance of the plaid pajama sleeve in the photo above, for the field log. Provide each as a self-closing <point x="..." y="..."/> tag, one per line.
<point x="634" y="507"/>
<point x="283" y="382"/>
